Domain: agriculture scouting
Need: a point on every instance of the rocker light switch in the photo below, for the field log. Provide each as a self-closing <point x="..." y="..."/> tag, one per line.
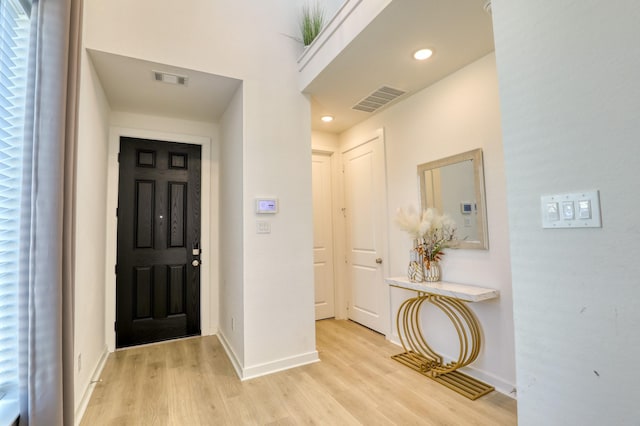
<point x="584" y="209"/>
<point x="552" y="212"/>
<point x="568" y="210"/>
<point x="572" y="210"/>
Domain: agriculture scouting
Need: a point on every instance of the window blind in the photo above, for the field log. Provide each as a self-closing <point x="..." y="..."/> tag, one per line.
<point x="14" y="42"/>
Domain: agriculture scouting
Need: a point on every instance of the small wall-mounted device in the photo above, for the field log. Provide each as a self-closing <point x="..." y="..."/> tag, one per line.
<point x="466" y="207"/>
<point x="266" y="205"/>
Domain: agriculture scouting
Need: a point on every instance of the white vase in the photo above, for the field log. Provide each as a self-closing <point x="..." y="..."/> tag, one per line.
<point x="431" y="271"/>
<point x="415" y="271"/>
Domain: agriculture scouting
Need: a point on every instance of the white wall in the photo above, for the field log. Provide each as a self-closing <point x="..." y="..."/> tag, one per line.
<point x="204" y="129"/>
<point x="91" y="187"/>
<point x="325" y="142"/>
<point x="569" y="94"/>
<point x="250" y="41"/>
<point x="279" y="293"/>
<point x="231" y="231"/>
<point x="330" y="7"/>
<point x="457" y="114"/>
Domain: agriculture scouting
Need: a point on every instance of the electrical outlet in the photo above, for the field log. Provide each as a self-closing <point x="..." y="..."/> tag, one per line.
<point x="79" y="362"/>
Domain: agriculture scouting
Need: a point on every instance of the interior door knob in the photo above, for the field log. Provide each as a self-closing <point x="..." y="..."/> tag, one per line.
<point x="195" y="263"/>
<point x="379" y="260"/>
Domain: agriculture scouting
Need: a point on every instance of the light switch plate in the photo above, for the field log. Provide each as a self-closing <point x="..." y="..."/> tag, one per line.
<point x="263" y="227"/>
<point x="577" y="210"/>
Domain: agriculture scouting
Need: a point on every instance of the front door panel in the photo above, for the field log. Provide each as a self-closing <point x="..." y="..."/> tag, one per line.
<point x="158" y="284"/>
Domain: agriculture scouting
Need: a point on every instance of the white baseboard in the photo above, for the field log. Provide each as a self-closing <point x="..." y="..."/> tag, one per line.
<point x="209" y="331"/>
<point x="88" y="391"/>
<point x="280" y="365"/>
<point x="502" y="386"/>
<point x="237" y="365"/>
<point x="246" y="373"/>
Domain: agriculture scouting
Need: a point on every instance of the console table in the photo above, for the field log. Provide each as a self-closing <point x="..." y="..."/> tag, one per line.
<point x="451" y="298"/>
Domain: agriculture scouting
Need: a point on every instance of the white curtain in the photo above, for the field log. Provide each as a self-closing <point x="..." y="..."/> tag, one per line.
<point x="47" y="219"/>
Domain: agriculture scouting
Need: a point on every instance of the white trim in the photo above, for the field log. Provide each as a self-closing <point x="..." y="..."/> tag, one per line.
<point x="356" y="142"/>
<point x="235" y="361"/>
<point x="279" y="365"/>
<point x="88" y="391"/>
<point x="247" y="373"/>
<point x="208" y="280"/>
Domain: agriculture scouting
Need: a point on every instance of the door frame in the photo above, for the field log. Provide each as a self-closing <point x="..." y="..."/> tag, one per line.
<point x="208" y="230"/>
<point x="336" y="205"/>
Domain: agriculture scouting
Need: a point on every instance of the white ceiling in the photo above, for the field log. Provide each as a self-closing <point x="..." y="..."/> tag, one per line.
<point x="459" y="31"/>
<point x="130" y="87"/>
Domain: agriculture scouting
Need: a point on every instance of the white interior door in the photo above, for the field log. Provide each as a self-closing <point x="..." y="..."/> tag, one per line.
<point x="365" y="199"/>
<point x="323" y="236"/>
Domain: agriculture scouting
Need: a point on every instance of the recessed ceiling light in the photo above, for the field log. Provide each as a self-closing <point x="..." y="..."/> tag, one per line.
<point x="423" y="54"/>
<point x="327" y="118"/>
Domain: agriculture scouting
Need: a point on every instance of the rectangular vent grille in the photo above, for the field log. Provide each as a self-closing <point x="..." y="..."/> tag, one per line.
<point x="170" y="78"/>
<point x="378" y="99"/>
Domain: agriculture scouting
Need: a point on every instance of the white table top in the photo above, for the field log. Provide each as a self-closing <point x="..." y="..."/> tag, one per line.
<point x="464" y="292"/>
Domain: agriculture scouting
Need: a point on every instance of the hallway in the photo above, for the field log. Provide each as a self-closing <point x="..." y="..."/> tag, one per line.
<point x="192" y="382"/>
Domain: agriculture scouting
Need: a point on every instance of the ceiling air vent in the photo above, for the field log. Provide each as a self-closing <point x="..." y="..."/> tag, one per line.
<point x="170" y="78"/>
<point x="378" y="99"/>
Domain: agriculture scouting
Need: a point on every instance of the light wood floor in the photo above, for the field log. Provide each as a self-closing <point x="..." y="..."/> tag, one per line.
<point x="191" y="382"/>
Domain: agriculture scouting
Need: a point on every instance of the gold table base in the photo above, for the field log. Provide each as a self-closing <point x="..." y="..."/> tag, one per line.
<point x="421" y="357"/>
<point x="463" y="384"/>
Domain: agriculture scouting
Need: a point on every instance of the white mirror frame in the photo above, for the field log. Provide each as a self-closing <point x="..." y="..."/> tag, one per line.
<point x="478" y="172"/>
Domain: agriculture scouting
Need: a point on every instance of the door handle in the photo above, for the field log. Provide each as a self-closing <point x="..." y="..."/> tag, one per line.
<point x="379" y="260"/>
<point x="195" y="262"/>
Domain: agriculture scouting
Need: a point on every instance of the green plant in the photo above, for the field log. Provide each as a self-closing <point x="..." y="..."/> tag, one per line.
<point x="311" y="22"/>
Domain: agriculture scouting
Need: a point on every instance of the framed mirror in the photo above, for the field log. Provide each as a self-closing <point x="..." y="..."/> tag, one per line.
<point x="455" y="186"/>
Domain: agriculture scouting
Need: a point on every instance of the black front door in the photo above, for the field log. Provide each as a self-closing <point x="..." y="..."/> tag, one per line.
<point x="158" y="274"/>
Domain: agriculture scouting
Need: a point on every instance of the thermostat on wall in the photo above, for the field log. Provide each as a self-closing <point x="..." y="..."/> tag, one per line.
<point x="466" y="207"/>
<point x="266" y="205"/>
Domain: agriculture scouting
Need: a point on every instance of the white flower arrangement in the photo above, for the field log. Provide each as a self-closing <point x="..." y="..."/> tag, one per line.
<point x="433" y="231"/>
